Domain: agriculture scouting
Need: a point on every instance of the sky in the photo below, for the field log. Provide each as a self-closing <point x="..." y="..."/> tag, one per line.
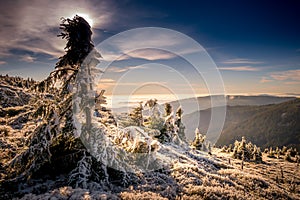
<point x="253" y="47"/>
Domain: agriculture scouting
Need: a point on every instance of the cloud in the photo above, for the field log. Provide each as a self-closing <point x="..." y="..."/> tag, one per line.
<point x="27" y="58"/>
<point x="289" y="77"/>
<point x="293" y="75"/>
<point x="145" y="37"/>
<point x="147" y="54"/>
<point x="242" y="61"/>
<point x="33" y="26"/>
<point x="124" y="69"/>
<point x="242" y="64"/>
<point x="144" y="44"/>
<point x="240" y="68"/>
<point x="265" y="80"/>
<point x="2" y="62"/>
<point x="151" y="54"/>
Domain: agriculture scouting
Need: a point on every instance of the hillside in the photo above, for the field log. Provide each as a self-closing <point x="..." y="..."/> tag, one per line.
<point x="183" y="172"/>
<point x="267" y="125"/>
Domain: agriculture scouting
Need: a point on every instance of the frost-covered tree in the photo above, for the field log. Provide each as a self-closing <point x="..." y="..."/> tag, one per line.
<point x="179" y="124"/>
<point x="288" y="156"/>
<point x="198" y="142"/>
<point x="283" y="150"/>
<point x="256" y="154"/>
<point x="168" y="109"/>
<point x="240" y="151"/>
<point x="168" y="129"/>
<point x="155" y="121"/>
<point x="171" y="128"/>
<point x="53" y="140"/>
<point x="136" y="115"/>
<point x="271" y="153"/>
<point x="246" y="151"/>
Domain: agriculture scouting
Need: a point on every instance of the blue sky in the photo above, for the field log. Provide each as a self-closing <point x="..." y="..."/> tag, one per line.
<point x="254" y="44"/>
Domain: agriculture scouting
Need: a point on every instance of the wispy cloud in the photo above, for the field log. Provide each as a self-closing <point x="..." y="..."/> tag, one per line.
<point x="293" y="75"/>
<point x="2" y="62"/>
<point x="27" y="58"/>
<point x="151" y="54"/>
<point x="242" y="61"/>
<point x="142" y="43"/>
<point x="240" y="68"/>
<point x="124" y="69"/>
<point x="241" y="64"/>
<point x="289" y="77"/>
<point x="147" y="54"/>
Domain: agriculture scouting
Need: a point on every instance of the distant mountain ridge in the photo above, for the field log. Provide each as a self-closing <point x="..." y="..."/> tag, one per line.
<point x="201" y="103"/>
<point x="190" y="105"/>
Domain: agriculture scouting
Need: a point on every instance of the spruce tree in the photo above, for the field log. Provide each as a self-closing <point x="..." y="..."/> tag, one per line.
<point x="168" y="109"/>
<point x="155" y="121"/>
<point x="198" y="142"/>
<point x="168" y="129"/>
<point x="136" y="115"/>
<point x="179" y="124"/>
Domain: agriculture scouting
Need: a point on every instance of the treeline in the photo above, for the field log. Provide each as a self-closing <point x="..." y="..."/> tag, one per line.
<point x="243" y="150"/>
<point x="247" y="151"/>
<point x="288" y="154"/>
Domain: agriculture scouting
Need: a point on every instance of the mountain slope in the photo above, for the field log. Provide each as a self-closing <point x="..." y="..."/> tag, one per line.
<point x="273" y="125"/>
<point x="266" y="125"/>
<point x="185" y="173"/>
